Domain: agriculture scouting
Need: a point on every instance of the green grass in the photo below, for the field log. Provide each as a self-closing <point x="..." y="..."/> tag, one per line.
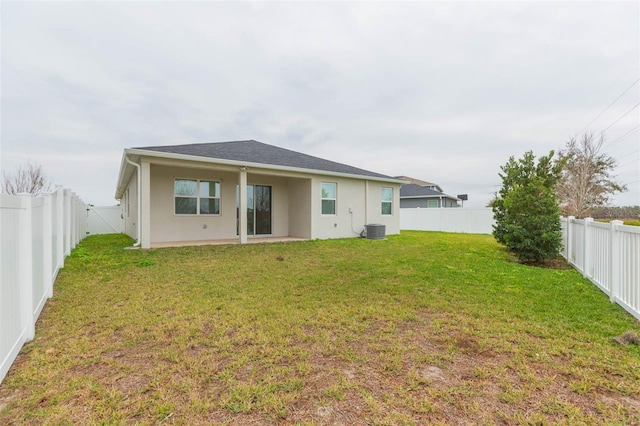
<point x="421" y="328"/>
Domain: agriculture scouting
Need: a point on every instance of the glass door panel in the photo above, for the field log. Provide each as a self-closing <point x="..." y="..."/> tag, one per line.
<point x="262" y="210"/>
<point x="258" y="209"/>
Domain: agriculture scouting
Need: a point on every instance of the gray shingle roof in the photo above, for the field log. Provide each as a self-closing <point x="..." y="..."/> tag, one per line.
<point x="257" y="152"/>
<point x="413" y="190"/>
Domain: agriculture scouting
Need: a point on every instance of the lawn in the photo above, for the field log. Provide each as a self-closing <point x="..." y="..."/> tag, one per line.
<point x="421" y="328"/>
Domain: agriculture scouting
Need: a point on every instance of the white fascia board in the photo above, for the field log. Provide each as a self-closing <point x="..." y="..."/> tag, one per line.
<point x="121" y="181"/>
<point x="250" y="165"/>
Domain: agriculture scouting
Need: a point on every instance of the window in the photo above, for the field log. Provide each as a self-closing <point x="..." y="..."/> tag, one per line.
<point x="387" y="200"/>
<point x="196" y="196"/>
<point x="329" y="191"/>
<point x="432" y="203"/>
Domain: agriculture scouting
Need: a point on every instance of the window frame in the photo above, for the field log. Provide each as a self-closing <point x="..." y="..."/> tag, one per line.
<point x="383" y="201"/>
<point x="323" y="198"/>
<point x="432" y="201"/>
<point x="198" y="197"/>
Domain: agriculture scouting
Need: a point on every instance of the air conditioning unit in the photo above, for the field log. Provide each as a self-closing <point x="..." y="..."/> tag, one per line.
<point x="376" y="231"/>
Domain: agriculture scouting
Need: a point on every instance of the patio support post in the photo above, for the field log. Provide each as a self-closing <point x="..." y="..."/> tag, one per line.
<point x="242" y="214"/>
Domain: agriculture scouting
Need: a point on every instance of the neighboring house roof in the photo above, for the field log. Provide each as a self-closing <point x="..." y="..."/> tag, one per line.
<point x="261" y="153"/>
<point x="419" y="182"/>
<point x="412" y="190"/>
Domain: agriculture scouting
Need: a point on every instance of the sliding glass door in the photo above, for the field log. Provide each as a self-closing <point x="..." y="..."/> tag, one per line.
<point x="258" y="209"/>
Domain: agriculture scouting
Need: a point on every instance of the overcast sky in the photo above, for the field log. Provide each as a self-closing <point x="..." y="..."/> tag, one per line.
<point x="440" y="91"/>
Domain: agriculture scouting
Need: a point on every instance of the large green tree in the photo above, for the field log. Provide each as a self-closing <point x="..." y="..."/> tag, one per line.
<point x="526" y="210"/>
<point x="587" y="180"/>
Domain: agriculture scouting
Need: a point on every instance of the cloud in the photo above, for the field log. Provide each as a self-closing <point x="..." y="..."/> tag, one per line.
<point x="443" y="91"/>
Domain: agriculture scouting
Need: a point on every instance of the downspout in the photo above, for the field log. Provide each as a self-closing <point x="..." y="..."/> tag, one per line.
<point x="366" y="203"/>
<point x="139" y="190"/>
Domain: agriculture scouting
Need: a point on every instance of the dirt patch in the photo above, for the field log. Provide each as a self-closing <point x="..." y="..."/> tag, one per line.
<point x="132" y="384"/>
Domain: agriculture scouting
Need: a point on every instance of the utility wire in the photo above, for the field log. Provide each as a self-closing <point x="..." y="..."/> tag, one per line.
<point x="609" y="106"/>
<point x="603" y="92"/>
<point x="626" y="164"/>
<point x="622" y="116"/>
<point x="629" y="154"/>
<point x="623" y="136"/>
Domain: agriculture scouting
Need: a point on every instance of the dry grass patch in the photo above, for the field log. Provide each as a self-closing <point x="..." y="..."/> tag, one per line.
<point x="421" y="328"/>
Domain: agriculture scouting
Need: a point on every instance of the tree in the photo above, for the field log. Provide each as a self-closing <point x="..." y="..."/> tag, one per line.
<point x="526" y="210"/>
<point x="587" y="179"/>
<point x="29" y="178"/>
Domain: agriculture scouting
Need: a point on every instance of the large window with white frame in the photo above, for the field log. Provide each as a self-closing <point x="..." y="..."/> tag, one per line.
<point x="196" y="197"/>
<point x="387" y="200"/>
<point x="329" y="193"/>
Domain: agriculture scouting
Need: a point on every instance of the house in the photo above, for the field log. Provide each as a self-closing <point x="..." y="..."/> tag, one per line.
<point x="418" y="193"/>
<point x="239" y="190"/>
<point x="419" y="182"/>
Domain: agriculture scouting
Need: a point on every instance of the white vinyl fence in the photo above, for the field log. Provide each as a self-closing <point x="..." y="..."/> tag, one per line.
<point x="36" y="234"/>
<point x="104" y="220"/>
<point x="608" y="254"/>
<point x="469" y="221"/>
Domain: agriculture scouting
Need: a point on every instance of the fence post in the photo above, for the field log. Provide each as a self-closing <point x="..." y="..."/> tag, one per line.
<point x="67" y="222"/>
<point x="47" y="245"/>
<point x="570" y="238"/>
<point x="59" y="226"/>
<point x="586" y="252"/>
<point x="615" y="262"/>
<point x="25" y="265"/>
<point x="74" y="221"/>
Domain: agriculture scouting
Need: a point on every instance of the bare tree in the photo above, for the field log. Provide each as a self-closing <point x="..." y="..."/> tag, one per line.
<point x="29" y="178"/>
<point x="587" y="180"/>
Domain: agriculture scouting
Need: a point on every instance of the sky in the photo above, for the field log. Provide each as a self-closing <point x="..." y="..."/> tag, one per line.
<point x="440" y="91"/>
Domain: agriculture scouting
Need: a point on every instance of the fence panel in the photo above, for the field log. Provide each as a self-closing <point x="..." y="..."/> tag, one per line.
<point x="471" y="221"/>
<point x="12" y="332"/>
<point x="629" y="290"/>
<point x="39" y="293"/>
<point x="104" y="220"/>
<point x="608" y="255"/>
<point x="35" y="236"/>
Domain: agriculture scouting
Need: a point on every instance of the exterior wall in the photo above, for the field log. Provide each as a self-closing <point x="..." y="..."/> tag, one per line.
<point x="358" y="203"/>
<point x="167" y="226"/>
<point x="450" y="203"/>
<point x="130" y="207"/>
<point x="300" y="208"/>
<point x="374" y="207"/>
<point x="296" y="203"/>
<point x="412" y="203"/>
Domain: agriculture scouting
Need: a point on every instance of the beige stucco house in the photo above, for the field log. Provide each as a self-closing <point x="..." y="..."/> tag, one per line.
<point x="236" y="191"/>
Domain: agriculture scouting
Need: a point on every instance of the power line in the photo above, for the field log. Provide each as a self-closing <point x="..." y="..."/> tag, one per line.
<point x="623" y="136"/>
<point x="622" y="116"/>
<point x="626" y="164"/>
<point x="603" y="92"/>
<point x="629" y="154"/>
<point x="609" y="106"/>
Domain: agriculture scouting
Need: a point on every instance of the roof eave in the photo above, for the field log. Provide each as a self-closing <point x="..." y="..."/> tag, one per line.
<point x="248" y="164"/>
<point x="450" y="197"/>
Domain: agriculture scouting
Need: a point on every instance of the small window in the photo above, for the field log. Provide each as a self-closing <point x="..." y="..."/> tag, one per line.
<point x="387" y="201"/>
<point x="329" y="191"/>
<point x="194" y="197"/>
<point x="432" y="203"/>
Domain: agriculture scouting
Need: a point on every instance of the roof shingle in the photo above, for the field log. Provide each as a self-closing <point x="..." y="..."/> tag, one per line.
<point x="253" y="151"/>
